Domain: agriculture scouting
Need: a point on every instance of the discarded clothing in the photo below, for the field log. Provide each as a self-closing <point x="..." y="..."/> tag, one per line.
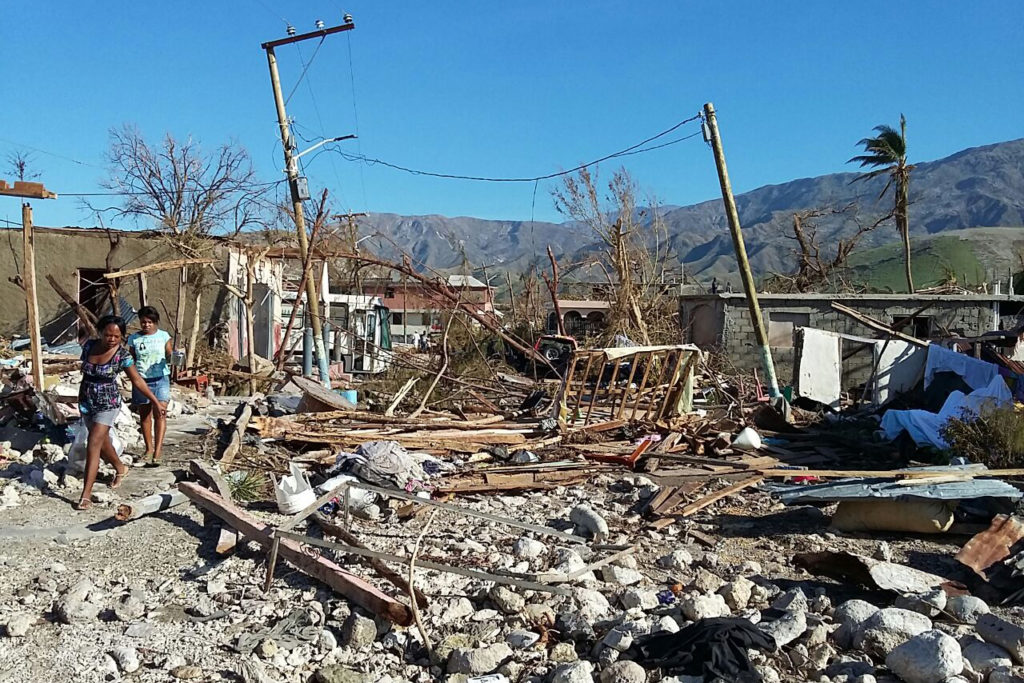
<point x="712" y="648"/>
<point x="384" y="463"/>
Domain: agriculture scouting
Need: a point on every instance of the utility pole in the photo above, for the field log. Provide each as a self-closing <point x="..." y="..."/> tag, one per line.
<point x="292" y="169"/>
<point x="741" y="251"/>
<point x="31" y="191"/>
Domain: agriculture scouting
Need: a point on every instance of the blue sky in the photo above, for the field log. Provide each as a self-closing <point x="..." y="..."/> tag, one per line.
<point x="507" y="89"/>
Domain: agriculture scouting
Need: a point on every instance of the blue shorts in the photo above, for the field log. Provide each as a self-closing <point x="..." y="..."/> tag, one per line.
<point x="160" y="386"/>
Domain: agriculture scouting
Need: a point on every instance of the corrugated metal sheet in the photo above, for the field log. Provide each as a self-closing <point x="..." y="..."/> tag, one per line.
<point x="866" y="489"/>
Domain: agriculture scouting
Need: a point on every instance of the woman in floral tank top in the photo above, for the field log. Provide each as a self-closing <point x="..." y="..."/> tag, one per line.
<point x="99" y="399"/>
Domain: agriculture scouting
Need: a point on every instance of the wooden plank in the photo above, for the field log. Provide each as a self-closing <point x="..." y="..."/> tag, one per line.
<point x="351" y="586"/>
<point x="707" y="500"/>
<point x="157" y="267"/>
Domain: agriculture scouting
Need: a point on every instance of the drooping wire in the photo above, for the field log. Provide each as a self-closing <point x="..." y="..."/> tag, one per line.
<point x="632" y="149"/>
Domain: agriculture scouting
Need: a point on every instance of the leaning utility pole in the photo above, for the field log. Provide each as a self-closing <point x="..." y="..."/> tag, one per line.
<point x="292" y="169"/>
<point x="741" y="251"/>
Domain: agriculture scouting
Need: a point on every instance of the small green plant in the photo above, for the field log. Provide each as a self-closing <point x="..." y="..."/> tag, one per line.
<point x="995" y="437"/>
<point x="247" y="486"/>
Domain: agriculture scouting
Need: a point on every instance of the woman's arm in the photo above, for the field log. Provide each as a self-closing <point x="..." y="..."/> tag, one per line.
<point x="168" y="351"/>
<point x="140" y="384"/>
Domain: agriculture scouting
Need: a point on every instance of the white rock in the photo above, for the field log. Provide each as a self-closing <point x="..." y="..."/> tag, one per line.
<point x="737" y="593"/>
<point x="639" y="598"/>
<point x="574" y="672"/>
<point x="1000" y="632"/>
<point x="696" y="607"/>
<point x="966" y="608"/>
<point x="521" y="640"/>
<point x="984" y="657"/>
<point x="592" y="604"/>
<point x="18" y="625"/>
<point x="457" y="610"/>
<point x="622" y="576"/>
<point x="930" y="657"/>
<point x="1004" y="676"/>
<point x="850" y="615"/>
<point x="482" y="660"/>
<point x="787" y="628"/>
<point x="507" y="600"/>
<point x="127" y="659"/>
<point x="677" y="560"/>
<point x="624" y="672"/>
<point x="889" y="628"/>
<point x="584" y="517"/>
<point x="666" y="625"/>
<point x="928" y="604"/>
<point x="528" y="548"/>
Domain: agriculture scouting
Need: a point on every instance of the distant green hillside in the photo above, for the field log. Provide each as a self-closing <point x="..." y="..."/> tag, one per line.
<point x="977" y="254"/>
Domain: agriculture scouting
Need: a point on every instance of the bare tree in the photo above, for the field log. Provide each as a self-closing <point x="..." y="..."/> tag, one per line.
<point x="821" y="268"/>
<point x="20" y="165"/>
<point x="180" y="189"/>
<point x="635" y="245"/>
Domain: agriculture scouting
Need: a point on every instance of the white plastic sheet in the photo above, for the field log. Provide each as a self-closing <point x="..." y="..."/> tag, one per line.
<point x="924" y="426"/>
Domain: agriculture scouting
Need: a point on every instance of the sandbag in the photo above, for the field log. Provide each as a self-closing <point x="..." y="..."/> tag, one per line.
<point x="917" y="516"/>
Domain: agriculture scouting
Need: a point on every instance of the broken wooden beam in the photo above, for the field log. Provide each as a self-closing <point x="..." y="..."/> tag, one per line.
<point x="158" y="502"/>
<point x="157" y="267"/>
<point x="718" y="495"/>
<point x="877" y="325"/>
<point x="351" y="586"/>
<point x="211" y="479"/>
<point x="241" y="423"/>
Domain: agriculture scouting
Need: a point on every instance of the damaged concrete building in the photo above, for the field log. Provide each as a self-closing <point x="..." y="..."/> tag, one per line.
<point x="722" y="322"/>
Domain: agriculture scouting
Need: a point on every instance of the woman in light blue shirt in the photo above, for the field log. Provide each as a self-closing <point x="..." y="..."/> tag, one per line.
<point x="151" y="348"/>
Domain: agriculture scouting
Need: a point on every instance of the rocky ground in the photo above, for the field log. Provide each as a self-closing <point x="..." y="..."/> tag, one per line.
<point x="85" y="598"/>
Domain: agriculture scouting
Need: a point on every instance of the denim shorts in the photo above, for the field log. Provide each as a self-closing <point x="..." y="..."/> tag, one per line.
<point x="104" y="417"/>
<point x="160" y="386"/>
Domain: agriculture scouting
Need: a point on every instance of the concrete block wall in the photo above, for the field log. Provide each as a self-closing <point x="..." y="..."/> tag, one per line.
<point x="738" y="340"/>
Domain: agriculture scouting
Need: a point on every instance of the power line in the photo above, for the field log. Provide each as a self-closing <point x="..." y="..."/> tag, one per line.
<point x="305" y="68"/>
<point x="49" y="153"/>
<point x="126" y="193"/>
<point x="632" y="149"/>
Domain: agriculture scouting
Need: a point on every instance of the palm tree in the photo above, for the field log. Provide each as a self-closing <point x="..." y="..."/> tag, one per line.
<point x="887" y="153"/>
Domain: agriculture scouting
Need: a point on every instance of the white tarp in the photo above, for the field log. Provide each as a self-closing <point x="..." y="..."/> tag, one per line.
<point x="924" y="426"/>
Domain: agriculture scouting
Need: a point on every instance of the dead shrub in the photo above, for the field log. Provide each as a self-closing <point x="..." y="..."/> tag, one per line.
<point x="995" y="437"/>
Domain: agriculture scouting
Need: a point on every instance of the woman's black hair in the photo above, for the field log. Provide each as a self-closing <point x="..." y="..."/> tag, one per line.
<point x="149" y="312"/>
<point x="106" y="320"/>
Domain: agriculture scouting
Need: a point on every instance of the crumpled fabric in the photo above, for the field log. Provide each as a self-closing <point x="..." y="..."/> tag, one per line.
<point x="712" y="648"/>
<point x="300" y="626"/>
<point x="384" y="463"/>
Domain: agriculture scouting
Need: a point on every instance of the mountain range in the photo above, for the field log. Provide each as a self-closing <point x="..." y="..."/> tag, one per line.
<point x="977" y="187"/>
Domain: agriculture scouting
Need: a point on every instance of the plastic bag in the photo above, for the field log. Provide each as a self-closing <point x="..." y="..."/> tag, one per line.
<point x="79" y="447"/>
